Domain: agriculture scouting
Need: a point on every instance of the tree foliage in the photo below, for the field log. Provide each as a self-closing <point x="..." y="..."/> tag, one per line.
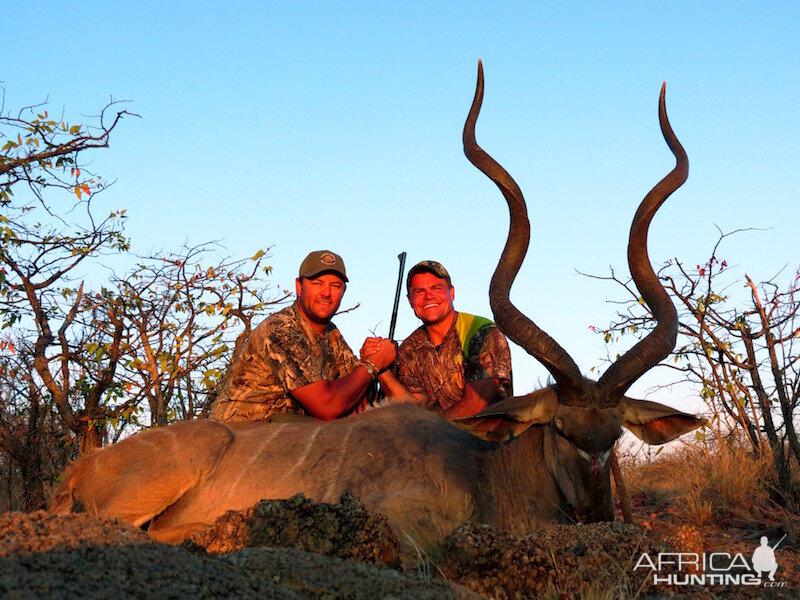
<point x="40" y="152"/>
<point x="182" y="315"/>
<point x="87" y="354"/>
<point x="742" y="353"/>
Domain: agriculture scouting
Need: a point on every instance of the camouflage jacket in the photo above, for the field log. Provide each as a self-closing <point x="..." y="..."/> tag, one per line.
<point x="472" y="350"/>
<point x="279" y="356"/>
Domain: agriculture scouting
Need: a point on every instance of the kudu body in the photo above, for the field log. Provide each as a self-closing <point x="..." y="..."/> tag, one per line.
<point x="518" y="465"/>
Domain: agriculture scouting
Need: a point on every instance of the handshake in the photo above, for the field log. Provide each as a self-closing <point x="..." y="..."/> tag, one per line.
<point x="381" y="352"/>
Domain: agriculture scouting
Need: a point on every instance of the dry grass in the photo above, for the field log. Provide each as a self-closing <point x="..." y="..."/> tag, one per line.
<point x="589" y="592"/>
<point x="421" y="538"/>
<point x="712" y="483"/>
<point x="715" y="496"/>
<point x="623" y="583"/>
<point x="627" y="588"/>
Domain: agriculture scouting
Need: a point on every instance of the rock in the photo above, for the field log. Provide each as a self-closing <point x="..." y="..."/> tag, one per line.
<point x="40" y="531"/>
<point x="316" y="576"/>
<point x="345" y="530"/>
<point x="152" y="571"/>
<point x="77" y="556"/>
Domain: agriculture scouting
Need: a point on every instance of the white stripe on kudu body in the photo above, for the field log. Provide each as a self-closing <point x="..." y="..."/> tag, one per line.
<point x="247" y="468"/>
<point x="298" y="464"/>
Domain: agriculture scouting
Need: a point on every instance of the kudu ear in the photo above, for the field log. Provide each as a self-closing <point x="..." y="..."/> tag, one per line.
<point x="508" y="418"/>
<point x="655" y="423"/>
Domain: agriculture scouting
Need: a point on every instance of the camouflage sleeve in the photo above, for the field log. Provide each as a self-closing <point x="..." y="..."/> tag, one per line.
<point x="346" y="361"/>
<point x="288" y="354"/>
<point x="490" y="358"/>
<point x="405" y="370"/>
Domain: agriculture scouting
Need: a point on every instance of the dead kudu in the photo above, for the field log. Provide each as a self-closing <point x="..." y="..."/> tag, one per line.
<point x="520" y="464"/>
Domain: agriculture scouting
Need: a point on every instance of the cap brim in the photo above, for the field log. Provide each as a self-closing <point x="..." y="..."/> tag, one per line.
<point x="317" y="273"/>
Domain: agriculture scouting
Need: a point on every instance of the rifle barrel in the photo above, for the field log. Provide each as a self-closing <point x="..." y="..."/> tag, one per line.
<point x="402" y="258"/>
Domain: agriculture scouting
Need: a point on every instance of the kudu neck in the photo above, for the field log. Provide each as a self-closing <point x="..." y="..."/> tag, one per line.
<point x="522" y="492"/>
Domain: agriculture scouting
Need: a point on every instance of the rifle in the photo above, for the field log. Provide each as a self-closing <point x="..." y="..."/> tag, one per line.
<point x="373" y="391"/>
<point x="402" y="258"/>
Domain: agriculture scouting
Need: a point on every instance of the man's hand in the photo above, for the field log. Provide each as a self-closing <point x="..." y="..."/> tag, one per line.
<point x="380" y="351"/>
<point x="371" y="346"/>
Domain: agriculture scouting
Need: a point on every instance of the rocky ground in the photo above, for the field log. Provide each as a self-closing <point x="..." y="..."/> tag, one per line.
<point x="47" y="556"/>
<point x="345" y="530"/>
<point x="578" y="559"/>
<point x="300" y="549"/>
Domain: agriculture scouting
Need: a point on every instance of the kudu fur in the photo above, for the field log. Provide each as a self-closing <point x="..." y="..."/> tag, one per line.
<point x="518" y="465"/>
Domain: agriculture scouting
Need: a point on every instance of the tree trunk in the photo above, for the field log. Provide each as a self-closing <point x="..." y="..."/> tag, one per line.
<point x="33" y="486"/>
<point x="622" y="491"/>
<point x="775" y="443"/>
<point x="91" y="438"/>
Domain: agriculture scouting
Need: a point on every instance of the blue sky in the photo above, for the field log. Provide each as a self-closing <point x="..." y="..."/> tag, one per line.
<point x="338" y="125"/>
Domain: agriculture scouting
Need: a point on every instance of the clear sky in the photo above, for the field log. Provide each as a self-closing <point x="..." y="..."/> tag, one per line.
<point x="308" y="125"/>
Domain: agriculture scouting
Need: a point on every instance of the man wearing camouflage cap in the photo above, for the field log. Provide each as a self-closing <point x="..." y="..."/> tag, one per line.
<point x="455" y="364"/>
<point x="296" y="361"/>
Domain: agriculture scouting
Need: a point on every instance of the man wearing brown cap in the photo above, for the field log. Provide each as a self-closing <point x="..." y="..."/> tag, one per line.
<point x="455" y="364"/>
<point x="296" y="361"/>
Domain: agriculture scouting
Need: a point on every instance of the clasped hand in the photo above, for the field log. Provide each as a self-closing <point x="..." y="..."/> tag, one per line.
<point x="380" y="351"/>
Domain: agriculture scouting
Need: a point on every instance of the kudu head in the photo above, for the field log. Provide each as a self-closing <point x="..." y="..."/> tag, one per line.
<point x="584" y="417"/>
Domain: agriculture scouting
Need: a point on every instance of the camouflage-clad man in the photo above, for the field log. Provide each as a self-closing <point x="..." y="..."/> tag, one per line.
<point x="455" y="364"/>
<point x="296" y="361"/>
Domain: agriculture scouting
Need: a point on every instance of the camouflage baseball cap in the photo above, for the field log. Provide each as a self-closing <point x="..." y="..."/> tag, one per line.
<point x="428" y="266"/>
<point x="322" y="261"/>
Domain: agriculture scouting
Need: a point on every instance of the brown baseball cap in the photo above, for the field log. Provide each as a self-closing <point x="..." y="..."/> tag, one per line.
<point x="322" y="261"/>
<point x="428" y="266"/>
